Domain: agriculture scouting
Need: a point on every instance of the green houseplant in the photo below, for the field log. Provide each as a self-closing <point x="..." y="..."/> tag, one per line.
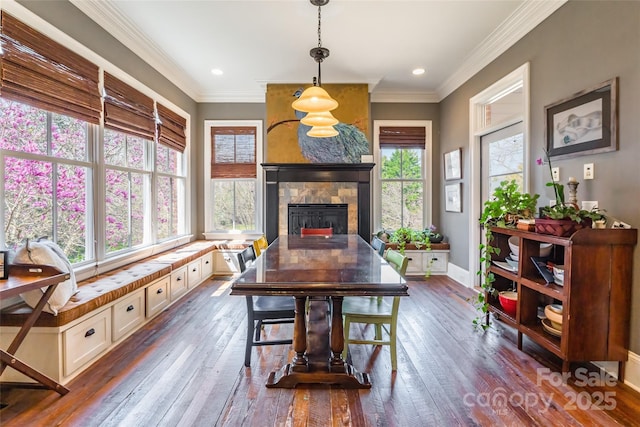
<point x="562" y="218"/>
<point x="506" y="206"/>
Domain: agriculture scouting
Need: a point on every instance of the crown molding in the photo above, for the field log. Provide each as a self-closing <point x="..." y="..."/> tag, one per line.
<point x="399" y="97"/>
<point x="517" y="25"/>
<point x="108" y="16"/>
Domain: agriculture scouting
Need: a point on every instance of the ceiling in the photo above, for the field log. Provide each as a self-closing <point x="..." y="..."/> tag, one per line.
<point x="377" y="42"/>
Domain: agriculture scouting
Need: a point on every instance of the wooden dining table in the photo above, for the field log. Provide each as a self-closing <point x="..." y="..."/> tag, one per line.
<point x="322" y="270"/>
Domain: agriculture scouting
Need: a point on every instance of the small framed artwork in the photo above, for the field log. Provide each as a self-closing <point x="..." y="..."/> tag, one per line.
<point x="453" y="197"/>
<point x="452" y="165"/>
<point x="585" y="123"/>
<point x="4" y="265"/>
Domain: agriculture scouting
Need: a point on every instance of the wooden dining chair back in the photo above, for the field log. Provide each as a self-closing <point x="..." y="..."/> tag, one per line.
<point x="326" y="232"/>
<point x="259" y="245"/>
<point x="263" y="310"/>
<point x="378" y="245"/>
<point x="382" y="313"/>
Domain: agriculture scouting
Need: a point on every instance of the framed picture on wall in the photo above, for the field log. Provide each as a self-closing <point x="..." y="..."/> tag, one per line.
<point x="584" y="123"/>
<point x="452" y="165"/>
<point x="453" y="197"/>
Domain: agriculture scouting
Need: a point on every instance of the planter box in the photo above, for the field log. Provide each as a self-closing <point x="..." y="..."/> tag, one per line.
<point x="560" y="227"/>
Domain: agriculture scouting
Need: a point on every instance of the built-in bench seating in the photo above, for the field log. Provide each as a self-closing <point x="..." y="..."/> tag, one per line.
<point x="108" y="308"/>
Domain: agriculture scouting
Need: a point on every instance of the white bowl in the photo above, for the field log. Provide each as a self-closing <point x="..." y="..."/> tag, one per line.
<point x="512" y="262"/>
<point x="558" y="271"/>
<point x="545" y="248"/>
<point x="513" y="245"/>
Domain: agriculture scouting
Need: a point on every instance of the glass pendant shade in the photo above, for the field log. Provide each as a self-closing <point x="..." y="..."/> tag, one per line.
<point x="314" y="99"/>
<point x="324" y="118"/>
<point x="322" y="132"/>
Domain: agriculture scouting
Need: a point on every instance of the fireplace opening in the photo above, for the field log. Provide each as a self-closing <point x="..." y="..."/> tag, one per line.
<point x="318" y="215"/>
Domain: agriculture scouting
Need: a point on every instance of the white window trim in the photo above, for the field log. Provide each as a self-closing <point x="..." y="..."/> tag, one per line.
<point x="427" y="160"/>
<point x="476" y="131"/>
<point x="208" y="203"/>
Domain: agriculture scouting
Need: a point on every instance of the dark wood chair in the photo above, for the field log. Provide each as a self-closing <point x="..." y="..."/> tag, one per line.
<point x="326" y="232"/>
<point x="378" y="245"/>
<point x="377" y="311"/>
<point x="263" y="310"/>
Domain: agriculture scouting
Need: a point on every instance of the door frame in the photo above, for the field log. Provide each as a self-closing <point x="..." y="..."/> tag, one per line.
<point x="476" y="131"/>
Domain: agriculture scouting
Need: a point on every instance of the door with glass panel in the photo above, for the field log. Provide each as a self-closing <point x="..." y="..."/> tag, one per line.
<point x="502" y="158"/>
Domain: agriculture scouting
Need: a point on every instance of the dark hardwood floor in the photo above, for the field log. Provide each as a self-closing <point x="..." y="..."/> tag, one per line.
<point x="185" y="368"/>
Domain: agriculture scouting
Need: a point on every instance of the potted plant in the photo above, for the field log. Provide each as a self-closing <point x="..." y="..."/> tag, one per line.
<point x="563" y="219"/>
<point x="506" y="206"/>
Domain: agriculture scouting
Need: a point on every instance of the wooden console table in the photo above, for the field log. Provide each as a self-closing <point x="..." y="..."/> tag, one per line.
<point x="24" y="278"/>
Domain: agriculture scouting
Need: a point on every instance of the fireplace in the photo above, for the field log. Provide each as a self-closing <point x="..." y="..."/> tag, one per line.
<point x="318" y="215"/>
<point x="356" y="175"/>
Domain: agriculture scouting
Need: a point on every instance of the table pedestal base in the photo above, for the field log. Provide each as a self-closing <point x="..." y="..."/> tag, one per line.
<point x="285" y="377"/>
<point x="318" y="348"/>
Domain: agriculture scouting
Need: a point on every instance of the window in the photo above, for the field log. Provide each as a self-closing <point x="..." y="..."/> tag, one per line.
<point x="92" y="196"/>
<point x="233" y="151"/>
<point x="171" y="190"/>
<point x="47" y="183"/>
<point x="402" y="177"/>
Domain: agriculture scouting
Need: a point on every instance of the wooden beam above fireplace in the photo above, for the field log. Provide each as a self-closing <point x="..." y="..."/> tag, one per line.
<point x="275" y="173"/>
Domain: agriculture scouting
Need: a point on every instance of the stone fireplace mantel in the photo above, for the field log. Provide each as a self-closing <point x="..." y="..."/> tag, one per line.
<point x="275" y="173"/>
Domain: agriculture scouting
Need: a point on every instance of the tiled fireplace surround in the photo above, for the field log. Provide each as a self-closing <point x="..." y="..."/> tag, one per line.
<point x="318" y="183"/>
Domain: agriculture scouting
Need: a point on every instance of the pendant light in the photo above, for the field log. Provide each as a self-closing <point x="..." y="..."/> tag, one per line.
<point x="315" y="100"/>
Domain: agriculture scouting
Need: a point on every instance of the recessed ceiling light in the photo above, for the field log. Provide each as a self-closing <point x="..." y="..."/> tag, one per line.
<point x="418" y="71"/>
<point x="216" y="72"/>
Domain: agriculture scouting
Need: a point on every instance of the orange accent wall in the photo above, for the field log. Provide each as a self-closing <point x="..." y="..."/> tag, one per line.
<point x="282" y="139"/>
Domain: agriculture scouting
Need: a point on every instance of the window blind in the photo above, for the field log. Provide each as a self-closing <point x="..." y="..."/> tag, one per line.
<point x="40" y="72"/>
<point x="402" y="137"/>
<point x="171" y="129"/>
<point x="127" y="109"/>
<point x="233" y="152"/>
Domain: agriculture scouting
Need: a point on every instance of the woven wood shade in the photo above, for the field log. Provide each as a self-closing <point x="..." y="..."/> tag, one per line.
<point x="233" y="152"/>
<point x="127" y="109"/>
<point x="171" y="129"/>
<point x="37" y="71"/>
<point x="402" y="137"/>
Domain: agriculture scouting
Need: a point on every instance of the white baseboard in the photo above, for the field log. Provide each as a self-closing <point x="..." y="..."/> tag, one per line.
<point x="459" y="275"/>
<point x="632" y="371"/>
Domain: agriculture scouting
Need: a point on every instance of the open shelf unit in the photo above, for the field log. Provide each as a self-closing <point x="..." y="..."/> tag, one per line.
<point x="595" y="295"/>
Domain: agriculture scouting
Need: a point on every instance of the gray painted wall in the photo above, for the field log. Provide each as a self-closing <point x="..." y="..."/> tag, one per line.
<point x="580" y="45"/>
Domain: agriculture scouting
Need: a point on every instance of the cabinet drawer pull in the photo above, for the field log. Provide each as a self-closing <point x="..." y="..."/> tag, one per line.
<point x="206" y="262"/>
<point x="130" y="308"/>
<point x="410" y="259"/>
<point x="179" y="279"/>
<point x="194" y="270"/>
<point x="159" y="291"/>
<point x="89" y="332"/>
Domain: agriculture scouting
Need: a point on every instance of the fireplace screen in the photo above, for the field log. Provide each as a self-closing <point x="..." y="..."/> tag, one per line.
<point x="318" y="215"/>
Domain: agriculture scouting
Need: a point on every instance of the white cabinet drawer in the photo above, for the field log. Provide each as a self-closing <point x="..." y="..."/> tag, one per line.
<point x="194" y="273"/>
<point x="127" y="314"/>
<point x="437" y="262"/>
<point x="86" y="340"/>
<point x="226" y="262"/>
<point x="414" y="266"/>
<point x="207" y="265"/>
<point x="179" y="284"/>
<point x="157" y="296"/>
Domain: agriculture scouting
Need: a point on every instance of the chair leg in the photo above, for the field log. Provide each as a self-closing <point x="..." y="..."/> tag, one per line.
<point x="249" y="344"/>
<point x="258" y="330"/>
<point x="347" y="326"/>
<point x="378" y="332"/>
<point x="392" y="346"/>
